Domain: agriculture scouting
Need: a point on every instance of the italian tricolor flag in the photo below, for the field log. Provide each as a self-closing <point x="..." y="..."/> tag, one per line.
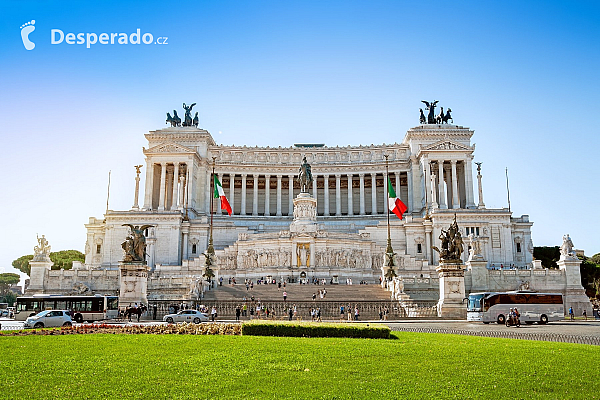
<point x="220" y="193"/>
<point x="394" y="203"/>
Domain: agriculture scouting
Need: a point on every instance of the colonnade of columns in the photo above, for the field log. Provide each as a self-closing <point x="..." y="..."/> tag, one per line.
<point x="169" y="192"/>
<point x="342" y="187"/>
<point x="446" y="186"/>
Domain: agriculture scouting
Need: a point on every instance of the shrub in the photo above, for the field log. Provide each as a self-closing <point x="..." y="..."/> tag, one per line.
<point x="310" y="329"/>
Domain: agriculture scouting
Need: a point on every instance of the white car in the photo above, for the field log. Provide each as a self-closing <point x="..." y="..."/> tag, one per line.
<point x="48" y="319"/>
<point x="186" y="316"/>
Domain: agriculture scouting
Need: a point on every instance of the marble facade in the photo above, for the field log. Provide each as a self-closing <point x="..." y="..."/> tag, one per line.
<point x="342" y="232"/>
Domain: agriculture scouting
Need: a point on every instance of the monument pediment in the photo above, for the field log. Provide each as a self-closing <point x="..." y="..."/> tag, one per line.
<point x="447" y="145"/>
<point x="169" y="148"/>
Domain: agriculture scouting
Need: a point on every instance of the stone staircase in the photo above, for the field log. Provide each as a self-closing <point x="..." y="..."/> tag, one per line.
<point x="298" y="292"/>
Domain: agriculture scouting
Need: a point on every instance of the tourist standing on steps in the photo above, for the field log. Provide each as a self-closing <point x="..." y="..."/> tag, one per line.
<point x="213" y="313"/>
<point x="284" y="296"/>
<point x="291" y="313"/>
<point x="238" y="311"/>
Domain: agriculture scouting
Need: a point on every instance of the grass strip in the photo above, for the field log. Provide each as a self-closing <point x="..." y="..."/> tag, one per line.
<point x="416" y="365"/>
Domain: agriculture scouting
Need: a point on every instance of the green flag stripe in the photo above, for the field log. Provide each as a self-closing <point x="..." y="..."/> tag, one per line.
<point x="391" y="191"/>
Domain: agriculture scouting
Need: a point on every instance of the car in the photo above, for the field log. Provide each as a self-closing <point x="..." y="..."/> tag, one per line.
<point x="186" y="316"/>
<point x="49" y="319"/>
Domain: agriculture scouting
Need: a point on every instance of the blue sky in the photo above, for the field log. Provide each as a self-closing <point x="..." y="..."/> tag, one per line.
<point x="523" y="75"/>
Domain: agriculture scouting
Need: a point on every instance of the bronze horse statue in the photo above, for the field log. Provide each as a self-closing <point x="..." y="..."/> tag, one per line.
<point x="447" y="117"/>
<point x="304" y="176"/>
<point x="174" y="120"/>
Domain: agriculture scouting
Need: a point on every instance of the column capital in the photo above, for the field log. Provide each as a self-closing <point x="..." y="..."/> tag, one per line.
<point x="279" y="176"/>
<point x="326" y="176"/>
<point x="290" y="176"/>
<point x="255" y="176"/>
<point x="373" y="174"/>
<point x="397" y="173"/>
<point x="244" y="175"/>
<point x="338" y="176"/>
<point x="361" y="175"/>
<point x="267" y="176"/>
<point x="453" y="162"/>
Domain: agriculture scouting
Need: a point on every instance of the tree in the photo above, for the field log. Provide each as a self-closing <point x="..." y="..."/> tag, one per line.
<point x="548" y="255"/>
<point x="7" y="280"/>
<point x="590" y="276"/>
<point x="9" y="298"/>
<point x="596" y="258"/>
<point x="62" y="260"/>
<point x="22" y="264"/>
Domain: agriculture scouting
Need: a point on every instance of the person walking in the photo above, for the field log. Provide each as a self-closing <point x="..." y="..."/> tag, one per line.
<point x="213" y="313"/>
<point x="291" y="313"/>
<point x="284" y="296"/>
<point x="238" y="311"/>
<point x="571" y="313"/>
<point x="585" y="314"/>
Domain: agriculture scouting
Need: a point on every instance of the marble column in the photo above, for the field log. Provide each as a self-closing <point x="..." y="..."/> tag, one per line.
<point x="279" y="195"/>
<point x="441" y="187"/>
<point x="314" y="185"/>
<point x="243" y="207"/>
<point x="136" y="197"/>
<point x="185" y="246"/>
<point x="455" y="199"/>
<point x="397" y="188"/>
<point x="255" y="195"/>
<point x="350" y="200"/>
<point x="267" y="195"/>
<point x="175" y="196"/>
<point x="411" y="191"/>
<point x="291" y="195"/>
<point x="480" y="188"/>
<point x="362" y="193"/>
<point x="149" y="186"/>
<point x="232" y="192"/>
<point x="427" y="184"/>
<point x="469" y="183"/>
<point x="338" y="195"/>
<point x="326" y="194"/>
<point x="163" y="180"/>
<point x="373" y="194"/>
<point x="181" y="192"/>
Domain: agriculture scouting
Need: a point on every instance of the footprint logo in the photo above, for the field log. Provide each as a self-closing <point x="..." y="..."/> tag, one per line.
<point x="26" y="29"/>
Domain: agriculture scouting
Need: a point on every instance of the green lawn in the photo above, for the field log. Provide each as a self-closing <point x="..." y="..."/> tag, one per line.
<point x="183" y="366"/>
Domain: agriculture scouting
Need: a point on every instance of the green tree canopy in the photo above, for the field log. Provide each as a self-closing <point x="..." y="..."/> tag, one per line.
<point x="22" y="263"/>
<point x="548" y="255"/>
<point x="590" y="276"/>
<point x="596" y="258"/>
<point x="6" y="280"/>
<point x="62" y="260"/>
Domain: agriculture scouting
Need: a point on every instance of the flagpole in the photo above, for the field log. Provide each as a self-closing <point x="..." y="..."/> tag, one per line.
<point x="389" y="250"/>
<point x="507" y="189"/>
<point x="211" y="249"/>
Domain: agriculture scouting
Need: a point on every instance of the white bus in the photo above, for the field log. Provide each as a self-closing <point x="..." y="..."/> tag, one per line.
<point x="533" y="307"/>
<point x="83" y="308"/>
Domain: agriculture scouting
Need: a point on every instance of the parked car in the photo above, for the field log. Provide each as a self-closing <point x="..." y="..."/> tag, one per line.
<point x="186" y="316"/>
<point x="48" y="319"/>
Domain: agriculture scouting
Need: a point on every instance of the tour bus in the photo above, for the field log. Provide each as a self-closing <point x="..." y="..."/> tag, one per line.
<point x="533" y="307"/>
<point x="84" y="308"/>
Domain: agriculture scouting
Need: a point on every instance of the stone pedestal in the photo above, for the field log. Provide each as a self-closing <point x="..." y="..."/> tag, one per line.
<point x="305" y="215"/>
<point x="479" y="274"/>
<point x="133" y="283"/>
<point x="38" y="274"/>
<point x="452" y="290"/>
<point x="574" y="294"/>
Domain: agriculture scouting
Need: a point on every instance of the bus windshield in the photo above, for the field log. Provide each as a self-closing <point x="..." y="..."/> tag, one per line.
<point x="474" y="303"/>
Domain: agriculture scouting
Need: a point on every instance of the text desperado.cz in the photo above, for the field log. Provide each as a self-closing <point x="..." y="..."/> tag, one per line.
<point x="57" y="37"/>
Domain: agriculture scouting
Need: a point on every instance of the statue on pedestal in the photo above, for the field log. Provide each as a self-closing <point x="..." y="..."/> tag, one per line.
<point x="566" y="249"/>
<point x="452" y="243"/>
<point x="42" y="250"/>
<point x="187" y="120"/>
<point x="135" y="244"/>
<point x="304" y="176"/>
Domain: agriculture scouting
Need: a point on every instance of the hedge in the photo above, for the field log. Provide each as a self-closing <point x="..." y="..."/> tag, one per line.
<point x="311" y="329"/>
